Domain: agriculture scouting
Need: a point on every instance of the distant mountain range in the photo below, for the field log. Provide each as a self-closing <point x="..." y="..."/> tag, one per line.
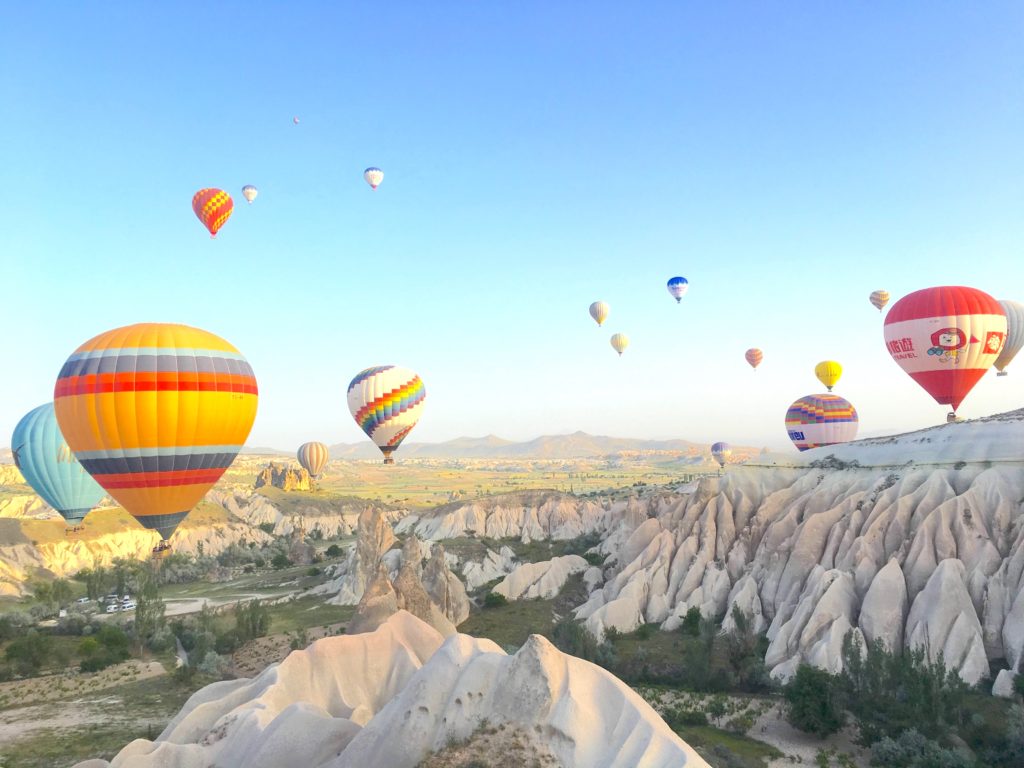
<point x="575" y="446"/>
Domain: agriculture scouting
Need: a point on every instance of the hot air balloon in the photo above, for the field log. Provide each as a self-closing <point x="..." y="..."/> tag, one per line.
<point x="678" y="286"/>
<point x="817" y="420"/>
<point x="313" y="458"/>
<point x="599" y="311"/>
<point x="879" y="299"/>
<point x="1014" y="334"/>
<point x="386" y="401"/>
<point x="828" y="373"/>
<point x="249" y="192"/>
<point x="754" y="357"/>
<point x="619" y="343"/>
<point x="213" y="207"/>
<point x="295" y="120"/>
<point x="156" y="412"/>
<point x="721" y="453"/>
<point x="49" y="466"/>
<point x="374" y="176"/>
<point x="945" y="338"/>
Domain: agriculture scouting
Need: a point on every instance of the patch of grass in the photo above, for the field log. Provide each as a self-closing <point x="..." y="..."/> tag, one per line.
<point x="305" y="613"/>
<point x="722" y="748"/>
<point x="510" y="624"/>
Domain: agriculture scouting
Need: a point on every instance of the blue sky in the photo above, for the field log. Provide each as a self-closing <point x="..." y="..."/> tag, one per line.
<point x="537" y="157"/>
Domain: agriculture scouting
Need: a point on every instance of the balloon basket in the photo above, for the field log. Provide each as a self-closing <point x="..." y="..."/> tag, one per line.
<point x="1001" y="373"/>
<point x="161" y="550"/>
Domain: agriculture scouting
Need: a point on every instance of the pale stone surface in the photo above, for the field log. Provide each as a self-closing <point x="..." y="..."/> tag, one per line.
<point x="544" y="579"/>
<point x="884" y="609"/>
<point x="444" y="587"/>
<point x="394" y="696"/>
<point x="1003" y="687"/>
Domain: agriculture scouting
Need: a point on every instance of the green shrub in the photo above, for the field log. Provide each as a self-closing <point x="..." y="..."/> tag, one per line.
<point x="267" y="528"/>
<point x="333" y="551"/>
<point x="816" y="701"/>
<point x="494" y="600"/>
<point x="279" y="561"/>
<point x="914" y="750"/>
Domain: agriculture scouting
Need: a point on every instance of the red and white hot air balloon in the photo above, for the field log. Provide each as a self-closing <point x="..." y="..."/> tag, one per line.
<point x="946" y="338"/>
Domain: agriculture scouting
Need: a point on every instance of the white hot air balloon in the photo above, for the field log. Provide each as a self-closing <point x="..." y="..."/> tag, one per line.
<point x="619" y="343"/>
<point x="386" y="401"/>
<point x="249" y="192"/>
<point x="1014" y="334"/>
<point x="599" y="311"/>
<point x="374" y="176"/>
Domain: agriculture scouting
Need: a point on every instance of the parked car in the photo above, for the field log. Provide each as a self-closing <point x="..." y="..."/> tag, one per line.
<point x="82" y="600"/>
<point x="129" y="606"/>
<point x="113" y="608"/>
<point x="126" y="599"/>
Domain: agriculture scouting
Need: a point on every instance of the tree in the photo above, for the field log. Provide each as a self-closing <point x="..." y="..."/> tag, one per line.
<point x="149" y="609"/>
<point x="252" y="620"/>
<point x="43" y="591"/>
<point x="28" y="654"/>
<point x="280" y="560"/>
<point x="333" y="551"/>
<point x="61" y="591"/>
<point x="815" y="700"/>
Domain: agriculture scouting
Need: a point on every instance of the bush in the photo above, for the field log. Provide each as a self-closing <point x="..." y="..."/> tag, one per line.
<point x="691" y="622"/>
<point x="279" y="561"/>
<point x="913" y="750"/>
<point x="495" y="600"/>
<point x="267" y="528"/>
<point x="252" y="620"/>
<point x="228" y="642"/>
<point x="314" y="571"/>
<point x="333" y="551"/>
<point x="645" y="631"/>
<point x="215" y="665"/>
<point x="816" y="702"/>
<point x="680" y="717"/>
<point x="29" y="653"/>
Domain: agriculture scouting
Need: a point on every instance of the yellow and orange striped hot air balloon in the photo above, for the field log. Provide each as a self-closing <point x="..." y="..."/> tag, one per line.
<point x="213" y="207"/>
<point x="156" y="412"/>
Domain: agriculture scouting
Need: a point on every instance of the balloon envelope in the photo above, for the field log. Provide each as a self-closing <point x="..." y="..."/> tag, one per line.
<point x="828" y="373"/>
<point x="619" y="342"/>
<point x="1014" y="334"/>
<point x="249" y="192"/>
<point x="156" y="412"/>
<point x="754" y="356"/>
<point x="817" y="420"/>
<point x="678" y="286"/>
<point x="945" y="338"/>
<point x="386" y="401"/>
<point x="48" y="465"/>
<point x="313" y="458"/>
<point x="599" y="311"/>
<point x="721" y="453"/>
<point x="879" y="299"/>
<point x="374" y="176"/>
<point x="212" y="207"/>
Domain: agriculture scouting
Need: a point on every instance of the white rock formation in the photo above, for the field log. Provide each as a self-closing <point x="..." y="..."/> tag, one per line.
<point x="544" y="579"/>
<point x="444" y="587"/>
<point x="1003" y="687"/>
<point x="494" y="565"/>
<point x="392" y="697"/>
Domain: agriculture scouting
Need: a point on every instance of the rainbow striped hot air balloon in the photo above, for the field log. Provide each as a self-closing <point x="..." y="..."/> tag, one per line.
<point x="817" y="420"/>
<point x="48" y="465"/>
<point x="156" y="412"/>
<point x="386" y="401"/>
<point x="213" y="207"/>
<point x="313" y="458"/>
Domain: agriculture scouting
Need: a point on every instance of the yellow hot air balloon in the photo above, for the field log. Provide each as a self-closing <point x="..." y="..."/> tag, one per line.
<point x="619" y="343"/>
<point x="156" y="413"/>
<point x="879" y="299"/>
<point x="828" y="373"/>
<point x="599" y="311"/>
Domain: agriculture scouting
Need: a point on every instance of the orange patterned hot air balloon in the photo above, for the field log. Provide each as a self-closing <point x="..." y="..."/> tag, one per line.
<point x="213" y="207"/>
<point x="156" y="413"/>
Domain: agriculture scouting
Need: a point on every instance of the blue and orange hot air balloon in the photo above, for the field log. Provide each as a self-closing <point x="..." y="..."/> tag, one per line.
<point x="313" y="458"/>
<point x="48" y="465"/>
<point x="817" y="420"/>
<point x="213" y="207"/>
<point x="721" y="452"/>
<point x="386" y="401"/>
<point x="156" y="413"/>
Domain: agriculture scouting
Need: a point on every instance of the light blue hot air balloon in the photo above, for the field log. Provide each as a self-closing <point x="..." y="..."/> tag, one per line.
<point x="678" y="286"/>
<point x="49" y="466"/>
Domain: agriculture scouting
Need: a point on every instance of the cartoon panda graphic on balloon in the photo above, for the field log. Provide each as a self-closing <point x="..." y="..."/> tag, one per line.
<point x="947" y="343"/>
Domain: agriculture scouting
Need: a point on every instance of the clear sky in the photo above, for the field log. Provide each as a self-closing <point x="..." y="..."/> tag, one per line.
<point x="538" y="156"/>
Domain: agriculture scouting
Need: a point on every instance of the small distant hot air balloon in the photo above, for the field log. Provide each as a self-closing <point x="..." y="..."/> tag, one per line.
<point x="619" y="343"/>
<point x="754" y="357"/>
<point x="374" y="176"/>
<point x="1014" y="334"/>
<point x="678" y="286"/>
<point x="213" y="207"/>
<point x="879" y="299"/>
<point x="721" y="453"/>
<point x="249" y="192"/>
<point x="156" y="413"/>
<point x="828" y="373"/>
<point x="295" y="120"/>
<point x="48" y="465"/>
<point x="313" y="458"/>
<point x="946" y="338"/>
<point x="386" y="401"/>
<point x="599" y="311"/>
<point x="817" y="420"/>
